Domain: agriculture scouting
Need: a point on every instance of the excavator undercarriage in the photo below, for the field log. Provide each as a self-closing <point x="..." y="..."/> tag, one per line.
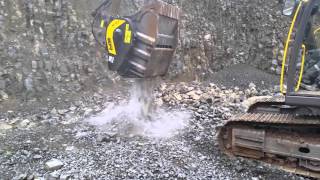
<point x="275" y="135"/>
<point x="285" y="130"/>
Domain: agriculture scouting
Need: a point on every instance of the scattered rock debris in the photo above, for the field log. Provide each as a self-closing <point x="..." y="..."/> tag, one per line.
<point x="61" y="145"/>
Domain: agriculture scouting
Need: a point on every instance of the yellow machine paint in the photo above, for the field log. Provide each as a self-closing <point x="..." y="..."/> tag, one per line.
<point x="128" y="35"/>
<point x="102" y="23"/>
<point x="114" y="24"/>
<point x="287" y="47"/>
<point x="302" y="67"/>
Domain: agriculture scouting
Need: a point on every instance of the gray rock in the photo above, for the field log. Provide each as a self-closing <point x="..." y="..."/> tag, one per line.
<point x="44" y="51"/>
<point x="37" y="157"/>
<point x="25" y="152"/>
<point x="3" y="37"/>
<point x="252" y="86"/>
<point x="21" y="177"/>
<point x="31" y="177"/>
<point x="5" y="126"/>
<point x="54" y="175"/>
<point x="62" y="111"/>
<point x="34" y="65"/>
<point x="24" y="123"/>
<point x="64" y="176"/>
<point x="207" y="37"/>
<point x="53" y="164"/>
<point x="28" y="83"/>
<point x="193" y="95"/>
<point x="3" y="96"/>
<point x="2" y="84"/>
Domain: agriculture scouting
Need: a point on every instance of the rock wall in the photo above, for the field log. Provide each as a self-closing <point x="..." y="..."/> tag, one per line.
<point x="46" y="46"/>
<point x="219" y="33"/>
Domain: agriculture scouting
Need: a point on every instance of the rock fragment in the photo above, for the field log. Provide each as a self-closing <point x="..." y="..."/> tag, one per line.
<point x="25" y="123"/>
<point x="53" y="164"/>
<point x="5" y="126"/>
<point x="3" y="96"/>
<point x="193" y="95"/>
<point x="37" y="157"/>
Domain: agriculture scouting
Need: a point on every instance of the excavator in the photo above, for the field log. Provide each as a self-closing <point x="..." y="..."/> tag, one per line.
<point x="282" y="130"/>
<point x="285" y="130"/>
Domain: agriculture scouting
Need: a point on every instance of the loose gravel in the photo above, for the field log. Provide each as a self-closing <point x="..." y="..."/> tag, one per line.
<point x="83" y="150"/>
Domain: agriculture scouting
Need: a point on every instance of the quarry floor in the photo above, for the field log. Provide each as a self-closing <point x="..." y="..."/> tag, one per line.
<point x="100" y="135"/>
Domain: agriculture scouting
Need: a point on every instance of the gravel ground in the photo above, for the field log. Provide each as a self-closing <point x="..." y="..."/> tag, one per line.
<point x="61" y="143"/>
<point x="242" y="75"/>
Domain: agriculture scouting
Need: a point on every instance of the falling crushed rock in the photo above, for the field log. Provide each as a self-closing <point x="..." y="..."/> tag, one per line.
<point x="125" y="118"/>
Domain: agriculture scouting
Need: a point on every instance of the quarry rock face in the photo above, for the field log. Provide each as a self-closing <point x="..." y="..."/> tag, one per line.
<point x="217" y="33"/>
<point x="46" y="46"/>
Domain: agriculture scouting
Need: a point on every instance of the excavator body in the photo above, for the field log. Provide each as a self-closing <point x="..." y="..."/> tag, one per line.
<point x="284" y="130"/>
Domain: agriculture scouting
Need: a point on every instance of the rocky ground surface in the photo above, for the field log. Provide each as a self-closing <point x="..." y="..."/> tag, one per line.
<point x="58" y="143"/>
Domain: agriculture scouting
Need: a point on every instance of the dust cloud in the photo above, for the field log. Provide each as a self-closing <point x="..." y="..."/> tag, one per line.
<point x="140" y="116"/>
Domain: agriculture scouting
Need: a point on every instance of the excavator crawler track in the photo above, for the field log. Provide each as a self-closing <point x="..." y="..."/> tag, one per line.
<point x="283" y="139"/>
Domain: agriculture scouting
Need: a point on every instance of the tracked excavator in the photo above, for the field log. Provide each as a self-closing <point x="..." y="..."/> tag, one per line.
<point x="285" y="130"/>
<point x="282" y="130"/>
